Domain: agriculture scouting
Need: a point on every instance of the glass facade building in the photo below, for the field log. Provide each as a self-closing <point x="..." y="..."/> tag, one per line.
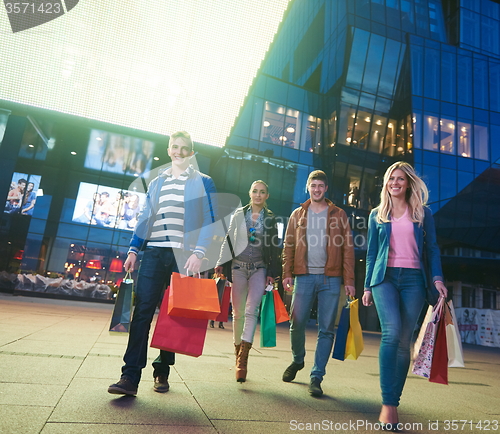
<point x="347" y="86"/>
<point x="352" y="86"/>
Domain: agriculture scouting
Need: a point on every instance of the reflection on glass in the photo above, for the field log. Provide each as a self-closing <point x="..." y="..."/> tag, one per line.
<point x="430" y="136"/>
<point x="447" y="142"/>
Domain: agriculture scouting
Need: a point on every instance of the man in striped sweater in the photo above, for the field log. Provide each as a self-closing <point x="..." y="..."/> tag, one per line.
<point x="174" y="229"/>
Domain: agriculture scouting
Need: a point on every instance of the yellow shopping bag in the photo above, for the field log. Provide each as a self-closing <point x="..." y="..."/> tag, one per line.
<point x="354" y="345"/>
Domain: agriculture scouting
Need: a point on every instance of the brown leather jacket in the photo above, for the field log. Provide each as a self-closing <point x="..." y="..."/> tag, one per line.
<point x="340" y="247"/>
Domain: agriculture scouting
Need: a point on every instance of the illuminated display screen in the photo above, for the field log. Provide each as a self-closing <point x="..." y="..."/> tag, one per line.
<point x="157" y="66"/>
<point x="107" y="206"/>
<point x="118" y="154"/>
<point x="22" y="195"/>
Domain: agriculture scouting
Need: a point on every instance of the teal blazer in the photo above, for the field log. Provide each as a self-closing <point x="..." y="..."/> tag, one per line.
<point x="379" y="235"/>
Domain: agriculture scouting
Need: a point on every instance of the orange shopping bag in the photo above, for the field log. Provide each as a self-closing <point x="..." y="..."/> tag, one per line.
<point x="279" y="308"/>
<point x="191" y="297"/>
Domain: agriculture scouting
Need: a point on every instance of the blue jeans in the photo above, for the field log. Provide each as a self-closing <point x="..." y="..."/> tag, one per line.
<point x="157" y="265"/>
<point x="306" y="288"/>
<point x="399" y="300"/>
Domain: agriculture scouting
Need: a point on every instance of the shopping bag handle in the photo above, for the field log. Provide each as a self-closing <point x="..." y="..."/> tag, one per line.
<point x="128" y="276"/>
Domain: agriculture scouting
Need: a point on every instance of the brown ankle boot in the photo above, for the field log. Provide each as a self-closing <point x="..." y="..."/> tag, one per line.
<point x="242" y="360"/>
<point x="237" y="351"/>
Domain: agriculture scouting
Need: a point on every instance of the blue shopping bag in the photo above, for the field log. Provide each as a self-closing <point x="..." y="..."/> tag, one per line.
<point x="342" y="331"/>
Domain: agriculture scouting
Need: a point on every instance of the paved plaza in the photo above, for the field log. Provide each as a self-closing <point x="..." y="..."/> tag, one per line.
<point x="57" y="360"/>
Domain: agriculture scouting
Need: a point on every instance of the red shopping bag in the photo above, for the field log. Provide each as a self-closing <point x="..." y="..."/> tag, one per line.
<point x="439" y="367"/>
<point x="191" y="297"/>
<point x="177" y="334"/>
<point x="224" y="305"/>
<point x="279" y="308"/>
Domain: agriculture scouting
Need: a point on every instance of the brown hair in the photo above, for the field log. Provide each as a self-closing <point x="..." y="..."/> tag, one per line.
<point x="319" y="175"/>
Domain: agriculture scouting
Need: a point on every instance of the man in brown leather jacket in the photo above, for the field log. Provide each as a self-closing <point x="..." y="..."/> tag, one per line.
<point x="318" y="253"/>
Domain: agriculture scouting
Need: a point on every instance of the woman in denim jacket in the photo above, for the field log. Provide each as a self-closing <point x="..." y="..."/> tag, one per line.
<point x="401" y="233"/>
<point x="253" y="245"/>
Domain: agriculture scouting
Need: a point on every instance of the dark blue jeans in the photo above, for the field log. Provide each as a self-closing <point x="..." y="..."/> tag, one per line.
<point x="157" y="265"/>
<point x="399" y="300"/>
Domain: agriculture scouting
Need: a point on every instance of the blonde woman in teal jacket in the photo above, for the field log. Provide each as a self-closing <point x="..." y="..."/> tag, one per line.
<point x="402" y="252"/>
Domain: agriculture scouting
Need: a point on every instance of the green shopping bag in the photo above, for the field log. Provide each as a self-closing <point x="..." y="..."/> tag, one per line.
<point x="267" y="321"/>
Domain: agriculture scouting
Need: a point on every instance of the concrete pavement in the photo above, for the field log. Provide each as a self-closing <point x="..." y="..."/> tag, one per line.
<point x="57" y="359"/>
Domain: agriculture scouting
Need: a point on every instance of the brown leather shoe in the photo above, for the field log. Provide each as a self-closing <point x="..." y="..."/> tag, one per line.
<point x="161" y="384"/>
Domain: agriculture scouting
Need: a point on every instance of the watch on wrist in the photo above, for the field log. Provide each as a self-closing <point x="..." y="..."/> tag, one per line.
<point x="199" y="255"/>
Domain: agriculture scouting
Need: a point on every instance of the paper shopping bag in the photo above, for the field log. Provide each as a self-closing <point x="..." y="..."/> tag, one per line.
<point x="342" y="332"/>
<point x="267" y="321"/>
<point x="439" y="366"/>
<point x="279" y="308"/>
<point x="453" y="341"/>
<point x="354" y="342"/>
<point x="191" y="297"/>
<point x="423" y="361"/>
<point x="122" y="311"/>
<point x="224" y="304"/>
<point x="177" y="334"/>
<point x="421" y="333"/>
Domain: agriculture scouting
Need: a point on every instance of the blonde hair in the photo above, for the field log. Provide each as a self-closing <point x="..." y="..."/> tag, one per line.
<point x="259" y="181"/>
<point x="416" y="196"/>
<point x="183" y="135"/>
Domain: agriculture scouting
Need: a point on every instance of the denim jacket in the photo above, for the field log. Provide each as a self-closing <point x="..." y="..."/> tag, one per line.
<point x="200" y="211"/>
<point x="379" y="235"/>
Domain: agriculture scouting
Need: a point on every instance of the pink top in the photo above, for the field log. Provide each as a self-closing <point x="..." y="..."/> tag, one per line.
<point x="403" y="251"/>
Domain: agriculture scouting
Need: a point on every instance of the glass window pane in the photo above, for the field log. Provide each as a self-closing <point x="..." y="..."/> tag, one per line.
<point x="291" y="129"/>
<point x="361" y="130"/>
<point x="447" y="142"/>
<point x="494" y="86"/>
<point x="417" y="62"/>
<point x="332" y="129"/>
<point x="481" y="142"/>
<point x="448" y="184"/>
<point x="390" y="138"/>
<point x="464" y="71"/>
<point x="464" y="139"/>
<point x="431" y="125"/>
<point x="489" y="34"/>
<point x="310" y="137"/>
<point x="354" y="76"/>
<point x="431" y="73"/>
<point x="377" y="133"/>
<point x="373" y="63"/>
<point x="481" y="83"/>
<point x="390" y="68"/>
<point x="417" y="130"/>
<point x="346" y="123"/>
<point x="272" y="126"/>
<point x="470" y="28"/>
<point x="448" y="76"/>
